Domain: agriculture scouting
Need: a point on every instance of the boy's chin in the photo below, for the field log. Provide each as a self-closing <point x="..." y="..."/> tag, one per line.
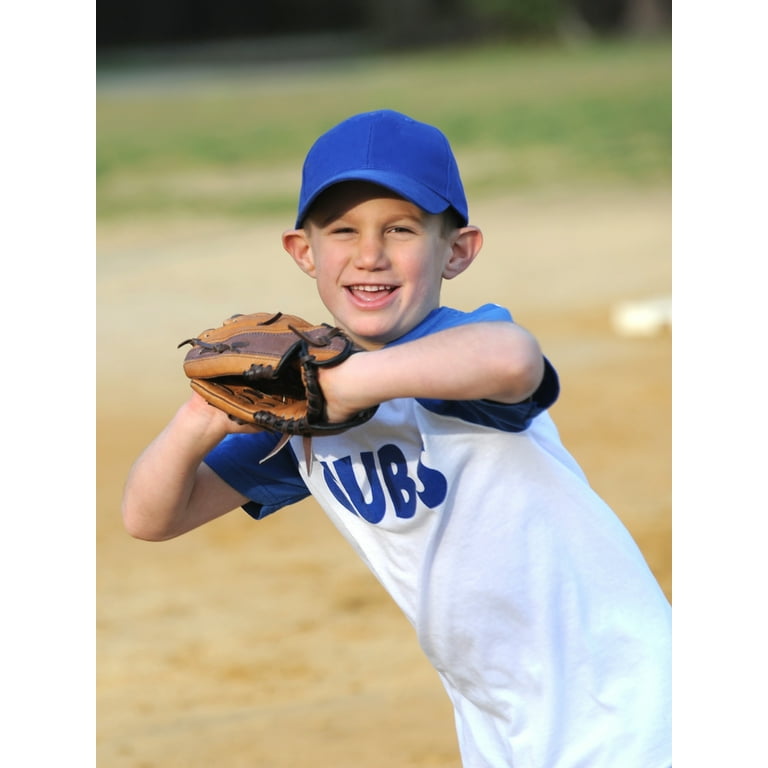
<point x="375" y="330"/>
<point x="369" y="336"/>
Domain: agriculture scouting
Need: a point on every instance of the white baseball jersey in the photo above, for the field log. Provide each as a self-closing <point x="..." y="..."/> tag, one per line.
<point x="527" y="594"/>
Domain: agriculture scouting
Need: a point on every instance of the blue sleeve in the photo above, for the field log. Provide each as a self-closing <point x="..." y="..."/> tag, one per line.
<point x="516" y="417"/>
<point x="270" y="486"/>
<point x="442" y="318"/>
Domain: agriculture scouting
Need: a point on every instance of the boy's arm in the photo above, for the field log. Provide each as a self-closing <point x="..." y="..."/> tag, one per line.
<point x="169" y="491"/>
<point x="497" y="361"/>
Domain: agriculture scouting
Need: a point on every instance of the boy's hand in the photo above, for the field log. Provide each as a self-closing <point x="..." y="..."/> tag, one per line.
<point x="213" y="419"/>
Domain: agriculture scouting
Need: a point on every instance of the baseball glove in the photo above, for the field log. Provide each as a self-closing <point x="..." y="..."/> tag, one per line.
<point x="262" y="369"/>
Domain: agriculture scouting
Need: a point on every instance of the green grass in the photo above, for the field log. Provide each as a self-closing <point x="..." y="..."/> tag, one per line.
<point x="232" y="143"/>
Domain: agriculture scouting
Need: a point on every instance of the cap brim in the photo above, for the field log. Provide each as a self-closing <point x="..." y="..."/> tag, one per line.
<point x="404" y="186"/>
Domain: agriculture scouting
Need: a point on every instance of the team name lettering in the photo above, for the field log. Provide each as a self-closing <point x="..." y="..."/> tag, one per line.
<point x="387" y="482"/>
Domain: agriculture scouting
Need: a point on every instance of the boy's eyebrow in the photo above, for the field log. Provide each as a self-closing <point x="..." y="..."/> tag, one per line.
<point x="335" y="215"/>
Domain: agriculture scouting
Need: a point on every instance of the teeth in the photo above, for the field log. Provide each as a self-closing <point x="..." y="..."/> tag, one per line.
<point x="370" y="288"/>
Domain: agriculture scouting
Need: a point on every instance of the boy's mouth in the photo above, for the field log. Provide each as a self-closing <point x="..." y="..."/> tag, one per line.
<point x="370" y="293"/>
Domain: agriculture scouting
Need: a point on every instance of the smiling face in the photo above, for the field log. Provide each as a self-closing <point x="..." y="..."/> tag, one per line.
<point x="378" y="259"/>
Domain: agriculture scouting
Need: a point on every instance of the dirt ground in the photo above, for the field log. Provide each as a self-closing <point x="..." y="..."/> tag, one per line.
<point x="268" y="644"/>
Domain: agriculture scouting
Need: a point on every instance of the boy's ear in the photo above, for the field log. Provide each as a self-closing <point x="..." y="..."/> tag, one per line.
<point x="295" y="241"/>
<point x="466" y="244"/>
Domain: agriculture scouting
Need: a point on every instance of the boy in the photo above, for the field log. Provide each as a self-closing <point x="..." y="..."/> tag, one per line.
<point x="527" y="594"/>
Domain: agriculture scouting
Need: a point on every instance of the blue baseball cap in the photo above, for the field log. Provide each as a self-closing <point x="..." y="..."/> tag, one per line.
<point x="409" y="158"/>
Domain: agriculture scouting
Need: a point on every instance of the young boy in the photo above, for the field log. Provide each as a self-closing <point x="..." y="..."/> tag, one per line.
<point x="527" y="594"/>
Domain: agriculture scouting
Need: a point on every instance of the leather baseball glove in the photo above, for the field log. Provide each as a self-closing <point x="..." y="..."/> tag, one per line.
<point x="262" y="368"/>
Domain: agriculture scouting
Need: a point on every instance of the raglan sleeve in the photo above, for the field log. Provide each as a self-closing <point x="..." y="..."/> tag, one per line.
<point x="270" y="486"/>
<point x="516" y="417"/>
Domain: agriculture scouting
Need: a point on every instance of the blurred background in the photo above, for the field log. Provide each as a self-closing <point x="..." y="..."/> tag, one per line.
<point x="546" y="91"/>
<point x="269" y="644"/>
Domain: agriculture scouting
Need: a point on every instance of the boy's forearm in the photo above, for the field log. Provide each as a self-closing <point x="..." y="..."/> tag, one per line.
<point x="494" y="361"/>
<point x="159" y="488"/>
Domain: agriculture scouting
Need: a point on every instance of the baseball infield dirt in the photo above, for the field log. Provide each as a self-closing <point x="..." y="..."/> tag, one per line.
<point x="268" y="644"/>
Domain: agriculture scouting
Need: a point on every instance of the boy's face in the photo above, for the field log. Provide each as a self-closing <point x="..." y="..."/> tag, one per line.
<point x="378" y="259"/>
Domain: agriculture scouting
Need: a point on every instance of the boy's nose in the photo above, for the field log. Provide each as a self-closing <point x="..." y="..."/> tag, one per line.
<point x="370" y="253"/>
